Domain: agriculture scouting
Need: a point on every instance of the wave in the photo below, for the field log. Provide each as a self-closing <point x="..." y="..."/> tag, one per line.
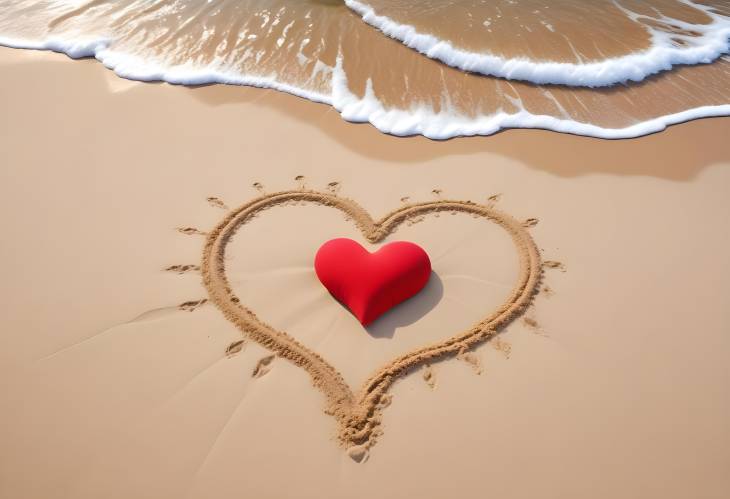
<point x="673" y="42"/>
<point x="324" y="52"/>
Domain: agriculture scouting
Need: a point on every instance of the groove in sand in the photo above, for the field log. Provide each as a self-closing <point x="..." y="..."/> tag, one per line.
<point x="358" y="413"/>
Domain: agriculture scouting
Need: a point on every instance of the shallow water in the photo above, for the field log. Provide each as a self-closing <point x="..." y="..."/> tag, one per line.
<point x="439" y="68"/>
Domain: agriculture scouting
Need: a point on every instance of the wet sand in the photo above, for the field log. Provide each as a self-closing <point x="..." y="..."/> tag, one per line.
<point x="122" y="381"/>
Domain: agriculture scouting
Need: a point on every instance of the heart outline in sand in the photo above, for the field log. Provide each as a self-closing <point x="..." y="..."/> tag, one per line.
<point x="359" y="413"/>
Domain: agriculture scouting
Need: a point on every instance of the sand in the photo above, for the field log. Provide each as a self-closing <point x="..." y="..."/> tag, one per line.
<point x="122" y="378"/>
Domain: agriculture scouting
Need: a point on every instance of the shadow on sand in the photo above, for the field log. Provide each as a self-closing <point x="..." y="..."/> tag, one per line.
<point x="409" y="311"/>
<point x="678" y="153"/>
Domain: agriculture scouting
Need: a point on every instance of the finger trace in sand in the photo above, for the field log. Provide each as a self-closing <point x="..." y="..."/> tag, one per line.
<point x="192" y="305"/>
<point x="552" y="264"/>
<point x="502" y="346"/>
<point x="190" y="231"/>
<point x="531" y="322"/>
<point x="263" y="366"/>
<point x="183" y="269"/>
<point x="358" y="453"/>
<point x="429" y="376"/>
<point x="494" y="198"/>
<point x="358" y="413"/>
<point x="471" y="358"/>
<point x="217" y="203"/>
<point x="535" y="327"/>
<point x="234" y="348"/>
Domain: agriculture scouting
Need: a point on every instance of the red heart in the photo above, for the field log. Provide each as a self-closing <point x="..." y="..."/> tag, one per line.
<point x="370" y="284"/>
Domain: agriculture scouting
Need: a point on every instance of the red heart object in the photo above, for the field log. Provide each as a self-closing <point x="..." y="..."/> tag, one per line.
<point x="370" y="284"/>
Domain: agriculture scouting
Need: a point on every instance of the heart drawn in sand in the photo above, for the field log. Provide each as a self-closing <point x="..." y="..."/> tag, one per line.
<point x="370" y="284"/>
<point x="358" y="413"/>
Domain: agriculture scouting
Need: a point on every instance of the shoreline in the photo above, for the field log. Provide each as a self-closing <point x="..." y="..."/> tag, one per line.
<point x="365" y="110"/>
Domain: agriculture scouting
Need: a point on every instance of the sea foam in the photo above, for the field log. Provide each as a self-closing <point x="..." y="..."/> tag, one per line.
<point x="714" y="41"/>
<point x="447" y="124"/>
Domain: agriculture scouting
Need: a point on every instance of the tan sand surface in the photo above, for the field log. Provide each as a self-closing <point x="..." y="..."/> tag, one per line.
<point x="121" y="381"/>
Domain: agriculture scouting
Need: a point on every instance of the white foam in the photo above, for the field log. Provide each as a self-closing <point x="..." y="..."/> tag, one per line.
<point x="447" y="124"/>
<point x="418" y="120"/>
<point x="136" y="68"/>
<point x="663" y="54"/>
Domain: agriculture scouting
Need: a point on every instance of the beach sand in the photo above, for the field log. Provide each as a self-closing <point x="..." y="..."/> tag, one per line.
<point x="121" y="381"/>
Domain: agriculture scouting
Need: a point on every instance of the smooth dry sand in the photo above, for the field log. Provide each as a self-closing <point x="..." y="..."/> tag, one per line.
<point x="121" y="381"/>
